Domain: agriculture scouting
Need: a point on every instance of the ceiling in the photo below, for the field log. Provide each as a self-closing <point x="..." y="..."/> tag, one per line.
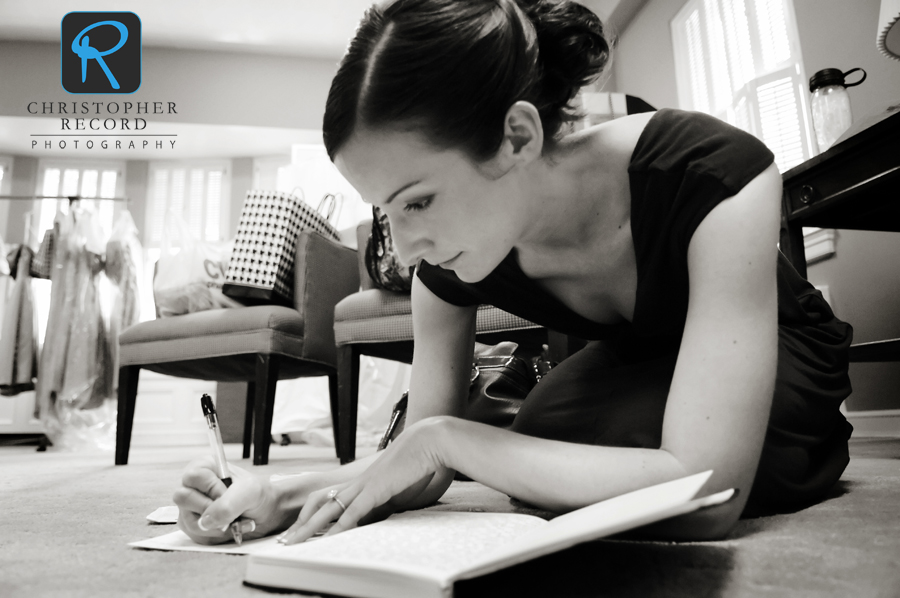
<point x="295" y="27"/>
<point x="314" y="28"/>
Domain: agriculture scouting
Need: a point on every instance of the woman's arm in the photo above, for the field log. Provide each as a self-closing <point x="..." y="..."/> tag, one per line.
<point x="716" y="413"/>
<point x="439" y="382"/>
<point x="441" y="370"/>
<point x="442" y="363"/>
<point x="718" y="404"/>
<point x="717" y="408"/>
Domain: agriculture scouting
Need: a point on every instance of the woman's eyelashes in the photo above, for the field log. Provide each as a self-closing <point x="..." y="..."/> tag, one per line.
<point x="418" y="205"/>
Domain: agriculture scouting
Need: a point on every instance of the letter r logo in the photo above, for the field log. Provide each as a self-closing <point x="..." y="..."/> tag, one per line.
<point x="100" y="52"/>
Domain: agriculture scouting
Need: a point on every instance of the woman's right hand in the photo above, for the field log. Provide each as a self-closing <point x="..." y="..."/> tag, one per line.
<point x="205" y="505"/>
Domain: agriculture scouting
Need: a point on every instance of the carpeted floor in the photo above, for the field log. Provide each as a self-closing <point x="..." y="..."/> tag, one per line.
<point x="66" y="519"/>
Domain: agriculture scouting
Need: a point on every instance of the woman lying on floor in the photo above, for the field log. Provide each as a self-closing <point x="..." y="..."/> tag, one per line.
<point x="653" y="236"/>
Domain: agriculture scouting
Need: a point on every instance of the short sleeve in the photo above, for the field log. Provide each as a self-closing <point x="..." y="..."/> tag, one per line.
<point x="684" y="165"/>
<point x="446" y="285"/>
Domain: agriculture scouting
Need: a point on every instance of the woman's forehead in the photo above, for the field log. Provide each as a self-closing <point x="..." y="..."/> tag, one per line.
<point x="378" y="163"/>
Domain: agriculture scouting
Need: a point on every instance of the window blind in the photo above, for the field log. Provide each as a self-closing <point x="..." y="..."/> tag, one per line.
<point x="739" y="60"/>
<point x="87" y="181"/>
<point x="193" y="191"/>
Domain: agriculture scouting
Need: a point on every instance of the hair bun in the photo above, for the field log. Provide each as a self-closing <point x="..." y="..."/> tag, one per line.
<point x="572" y="47"/>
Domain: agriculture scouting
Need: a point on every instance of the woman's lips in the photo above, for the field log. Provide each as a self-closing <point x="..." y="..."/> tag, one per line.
<point x="449" y="263"/>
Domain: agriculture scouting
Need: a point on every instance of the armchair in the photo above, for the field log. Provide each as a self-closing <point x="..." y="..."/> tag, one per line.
<point x="260" y="344"/>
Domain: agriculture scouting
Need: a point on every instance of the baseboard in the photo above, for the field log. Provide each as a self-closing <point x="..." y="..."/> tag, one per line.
<point x="881" y="423"/>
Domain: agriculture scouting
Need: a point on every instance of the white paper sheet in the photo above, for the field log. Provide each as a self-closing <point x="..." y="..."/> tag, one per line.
<point x="180" y="541"/>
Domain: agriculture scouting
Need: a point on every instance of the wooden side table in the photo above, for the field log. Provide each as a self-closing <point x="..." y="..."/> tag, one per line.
<point x="853" y="185"/>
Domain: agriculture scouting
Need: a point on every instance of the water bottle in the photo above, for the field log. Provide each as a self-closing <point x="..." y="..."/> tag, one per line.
<point x="831" y="104"/>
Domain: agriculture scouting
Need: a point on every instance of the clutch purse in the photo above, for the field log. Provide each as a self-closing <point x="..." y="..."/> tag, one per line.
<point x="499" y="383"/>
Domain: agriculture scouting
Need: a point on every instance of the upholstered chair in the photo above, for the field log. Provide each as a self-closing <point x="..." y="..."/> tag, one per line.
<point x="259" y="345"/>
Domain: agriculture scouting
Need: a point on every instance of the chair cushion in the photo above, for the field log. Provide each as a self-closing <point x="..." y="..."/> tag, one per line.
<point x="216" y="321"/>
<point x="379" y="316"/>
<point x="219" y="344"/>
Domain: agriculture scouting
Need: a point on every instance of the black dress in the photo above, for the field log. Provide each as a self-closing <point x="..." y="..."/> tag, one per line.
<point x="613" y="392"/>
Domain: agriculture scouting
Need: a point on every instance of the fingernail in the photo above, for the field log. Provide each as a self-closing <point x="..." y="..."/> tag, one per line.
<point x="248" y="525"/>
<point x="205" y="523"/>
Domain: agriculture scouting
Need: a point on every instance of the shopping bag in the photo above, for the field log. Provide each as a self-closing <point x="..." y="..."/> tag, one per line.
<point x="261" y="269"/>
<point x="190" y="272"/>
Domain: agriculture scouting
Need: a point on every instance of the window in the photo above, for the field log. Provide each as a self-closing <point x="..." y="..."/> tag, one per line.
<point x="101" y="180"/>
<point x="197" y="191"/>
<point x="740" y="61"/>
<point x="310" y="174"/>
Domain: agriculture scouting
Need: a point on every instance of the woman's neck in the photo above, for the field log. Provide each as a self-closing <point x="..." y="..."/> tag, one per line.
<point x="576" y="198"/>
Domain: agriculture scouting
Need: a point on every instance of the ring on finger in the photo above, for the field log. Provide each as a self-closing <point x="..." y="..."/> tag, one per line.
<point x="333" y="495"/>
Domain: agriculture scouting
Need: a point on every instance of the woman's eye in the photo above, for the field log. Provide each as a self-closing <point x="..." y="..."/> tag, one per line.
<point x="417" y="206"/>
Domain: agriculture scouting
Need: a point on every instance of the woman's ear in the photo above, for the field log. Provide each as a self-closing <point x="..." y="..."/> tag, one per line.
<point x="523" y="139"/>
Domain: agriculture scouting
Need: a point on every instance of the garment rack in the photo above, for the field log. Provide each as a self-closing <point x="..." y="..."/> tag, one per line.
<point x="71" y="198"/>
<point x="41" y="439"/>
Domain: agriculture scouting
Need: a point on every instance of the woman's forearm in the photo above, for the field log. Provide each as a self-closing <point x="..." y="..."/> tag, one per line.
<point x="292" y="491"/>
<point x="557" y="476"/>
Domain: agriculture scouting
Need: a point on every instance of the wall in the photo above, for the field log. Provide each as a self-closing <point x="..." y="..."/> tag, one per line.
<point x="207" y="87"/>
<point x="863" y="278"/>
<point x="137" y="177"/>
<point x="223" y="88"/>
<point x="24" y="177"/>
<point x="241" y="182"/>
<point x="644" y="64"/>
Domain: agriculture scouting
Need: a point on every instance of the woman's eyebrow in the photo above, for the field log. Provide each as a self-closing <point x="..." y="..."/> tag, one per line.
<point x="400" y="190"/>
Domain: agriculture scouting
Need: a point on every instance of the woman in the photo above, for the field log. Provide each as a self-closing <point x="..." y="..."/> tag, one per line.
<point x="653" y="236"/>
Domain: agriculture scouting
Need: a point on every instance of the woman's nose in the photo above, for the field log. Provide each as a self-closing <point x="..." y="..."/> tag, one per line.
<point x="410" y="242"/>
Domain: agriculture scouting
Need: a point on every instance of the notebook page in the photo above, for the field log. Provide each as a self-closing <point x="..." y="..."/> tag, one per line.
<point x="605" y="518"/>
<point x="436" y="544"/>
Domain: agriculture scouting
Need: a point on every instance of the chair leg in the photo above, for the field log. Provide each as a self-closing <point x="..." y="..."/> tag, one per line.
<point x="335" y="419"/>
<point x="128" y="386"/>
<point x="348" y="401"/>
<point x="248" y="419"/>
<point x="264" y="407"/>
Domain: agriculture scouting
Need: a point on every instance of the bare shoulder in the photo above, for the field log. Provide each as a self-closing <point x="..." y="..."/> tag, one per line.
<point x="619" y="136"/>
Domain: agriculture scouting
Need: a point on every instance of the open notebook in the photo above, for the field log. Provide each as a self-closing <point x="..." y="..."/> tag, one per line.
<point x="422" y="553"/>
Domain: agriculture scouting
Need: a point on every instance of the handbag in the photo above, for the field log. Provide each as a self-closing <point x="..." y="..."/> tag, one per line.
<point x="261" y="268"/>
<point x="499" y="383"/>
<point x="382" y="262"/>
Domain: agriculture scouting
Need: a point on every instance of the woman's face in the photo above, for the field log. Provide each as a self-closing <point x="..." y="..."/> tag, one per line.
<point x="442" y="207"/>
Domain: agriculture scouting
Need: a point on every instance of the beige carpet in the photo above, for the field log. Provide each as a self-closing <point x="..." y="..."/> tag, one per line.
<point x="66" y="520"/>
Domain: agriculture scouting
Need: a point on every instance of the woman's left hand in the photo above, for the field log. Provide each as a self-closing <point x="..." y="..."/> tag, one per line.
<point x="398" y="476"/>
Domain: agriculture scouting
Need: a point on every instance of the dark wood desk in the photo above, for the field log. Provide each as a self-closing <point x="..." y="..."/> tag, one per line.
<point x="853" y="185"/>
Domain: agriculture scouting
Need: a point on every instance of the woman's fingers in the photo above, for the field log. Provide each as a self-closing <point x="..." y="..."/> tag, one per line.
<point x="315" y="501"/>
<point x="188" y="499"/>
<point x="204" y="479"/>
<point x="368" y="500"/>
<point x="320" y="510"/>
<point x="241" y="497"/>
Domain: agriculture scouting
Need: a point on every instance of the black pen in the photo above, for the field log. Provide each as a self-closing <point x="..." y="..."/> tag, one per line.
<point x="215" y="442"/>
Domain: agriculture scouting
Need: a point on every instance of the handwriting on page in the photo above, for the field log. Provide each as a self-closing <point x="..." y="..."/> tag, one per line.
<point x="438" y="541"/>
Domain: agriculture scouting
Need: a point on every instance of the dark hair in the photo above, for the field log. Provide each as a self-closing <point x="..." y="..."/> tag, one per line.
<point x="452" y="68"/>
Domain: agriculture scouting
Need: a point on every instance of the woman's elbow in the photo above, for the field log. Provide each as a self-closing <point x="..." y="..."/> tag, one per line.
<point x="708" y="524"/>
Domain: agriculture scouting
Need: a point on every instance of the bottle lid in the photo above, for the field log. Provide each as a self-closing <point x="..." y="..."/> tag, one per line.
<point x="824" y="78"/>
<point x="827" y="77"/>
